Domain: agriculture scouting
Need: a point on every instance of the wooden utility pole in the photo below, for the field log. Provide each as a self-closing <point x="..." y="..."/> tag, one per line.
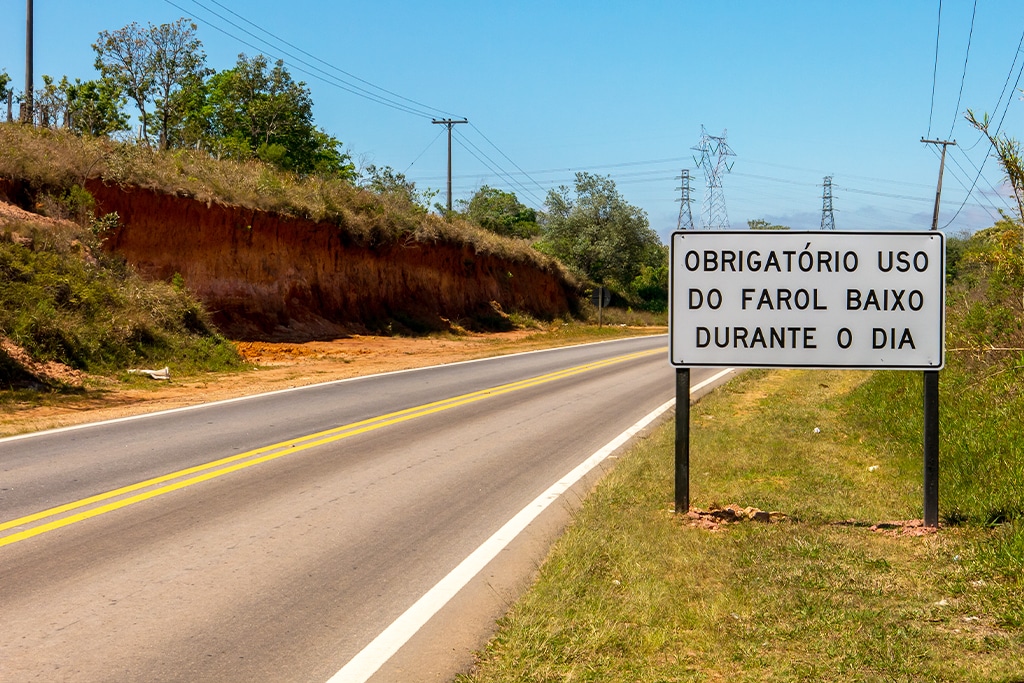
<point x="26" y="112"/>
<point x="931" y="390"/>
<point x="942" y="166"/>
<point x="449" y="123"/>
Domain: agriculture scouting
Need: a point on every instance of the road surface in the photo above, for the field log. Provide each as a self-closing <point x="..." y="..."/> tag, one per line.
<point x="276" y="537"/>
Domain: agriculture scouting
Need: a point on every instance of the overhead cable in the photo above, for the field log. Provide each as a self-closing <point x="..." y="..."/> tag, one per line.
<point x="963" y="77"/>
<point x="316" y="72"/>
<point x="935" y="69"/>
<point x="325" y="63"/>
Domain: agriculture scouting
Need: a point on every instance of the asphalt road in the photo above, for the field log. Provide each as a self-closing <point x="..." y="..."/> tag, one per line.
<point x="273" y="538"/>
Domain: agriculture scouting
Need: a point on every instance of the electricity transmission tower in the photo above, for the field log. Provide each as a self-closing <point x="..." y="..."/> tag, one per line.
<point x="714" y="151"/>
<point x="685" y="214"/>
<point x="828" y="219"/>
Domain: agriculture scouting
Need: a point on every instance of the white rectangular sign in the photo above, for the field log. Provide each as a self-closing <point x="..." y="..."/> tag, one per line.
<point x="807" y="299"/>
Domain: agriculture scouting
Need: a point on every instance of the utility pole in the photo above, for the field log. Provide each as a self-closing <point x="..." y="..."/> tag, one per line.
<point x="449" y="123"/>
<point x="931" y="390"/>
<point x="942" y="165"/>
<point x="26" y="113"/>
<point x="828" y="219"/>
<point x="685" y="213"/>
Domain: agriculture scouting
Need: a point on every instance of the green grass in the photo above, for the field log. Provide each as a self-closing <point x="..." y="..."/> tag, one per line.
<point x="633" y="593"/>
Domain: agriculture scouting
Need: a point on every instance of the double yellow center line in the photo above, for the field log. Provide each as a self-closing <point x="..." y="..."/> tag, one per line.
<point x="93" y="506"/>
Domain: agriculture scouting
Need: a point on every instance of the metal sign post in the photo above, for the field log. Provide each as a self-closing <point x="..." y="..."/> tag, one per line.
<point x="682" y="468"/>
<point x="931" y="448"/>
<point x="601" y="297"/>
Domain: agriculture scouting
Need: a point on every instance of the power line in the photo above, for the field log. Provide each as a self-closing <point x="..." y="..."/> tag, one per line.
<point x="1002" y="118"/>
<point x="935" y="68"/>
<point x="963" y="77"/>
<point x="419" y="108"/>
<point x="439" y="134"/>
<point x="328" y="64"/>
<point x="975" y="167"/>
<point x="507" y="157"/>
<point x="501" y="172"/>
<point x="988" y="206"/>
<point x="1009" y="74"/>
<point x="322" y="76"/>
<point x="470" y="147"/>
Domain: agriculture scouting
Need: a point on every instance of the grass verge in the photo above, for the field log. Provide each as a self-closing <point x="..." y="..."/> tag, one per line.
<point x="634" y="593"/>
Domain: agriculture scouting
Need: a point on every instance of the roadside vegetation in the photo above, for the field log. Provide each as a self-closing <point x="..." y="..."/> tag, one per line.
<point x="66" y="307"/>
<point x="843" y="584"/>
<point x="241" y="136"/>
<point x="842" y="587"/>
<point x="257" y="116"/>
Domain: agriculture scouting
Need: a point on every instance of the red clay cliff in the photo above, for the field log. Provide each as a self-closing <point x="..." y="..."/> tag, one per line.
<point x="269" y="276"/>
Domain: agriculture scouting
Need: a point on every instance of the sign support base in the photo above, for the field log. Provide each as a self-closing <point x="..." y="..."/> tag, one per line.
<point x="931" y="448"/>
<point x="682" y="440"/>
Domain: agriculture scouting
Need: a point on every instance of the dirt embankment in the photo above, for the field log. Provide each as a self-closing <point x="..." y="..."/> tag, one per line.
<point x="267" y="276"/>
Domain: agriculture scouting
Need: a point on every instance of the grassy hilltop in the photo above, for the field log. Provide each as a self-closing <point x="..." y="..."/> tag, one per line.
<point x="67" y="301"/>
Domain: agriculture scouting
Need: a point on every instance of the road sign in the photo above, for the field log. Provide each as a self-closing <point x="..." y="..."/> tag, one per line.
<point x="807" y="299"/>
<point x="601" y="297"/>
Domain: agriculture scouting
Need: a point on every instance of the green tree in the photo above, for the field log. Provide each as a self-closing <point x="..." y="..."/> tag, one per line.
<point x="395" y="187"/>
<point x="126" y="59"/>
<point x="178" y="61"/>
<point x="50" y="103"/>
<point x="761" y="224"/>
<point x="1011" y="158"/>
<point x="95" y="107"/>
<point x="600" y="235"/>
<point x="502" y="213"/>
<point x="5" y="81"/>
<point x="89" y="108"/>
<point x="193" y="124"/>
<point x="151" y="66"/>
<point x="261" y="112"/>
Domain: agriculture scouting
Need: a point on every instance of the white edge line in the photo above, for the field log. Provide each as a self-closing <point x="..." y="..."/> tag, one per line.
<point x="198" y="406"/>
<point x="369" y="660"/>
<point x="714" y="378"/>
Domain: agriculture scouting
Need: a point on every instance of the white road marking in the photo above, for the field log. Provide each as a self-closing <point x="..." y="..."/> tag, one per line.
<point x="369" y="660"/>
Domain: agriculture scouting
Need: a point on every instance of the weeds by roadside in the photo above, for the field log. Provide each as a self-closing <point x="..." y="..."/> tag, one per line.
<point x="634" y="592"/>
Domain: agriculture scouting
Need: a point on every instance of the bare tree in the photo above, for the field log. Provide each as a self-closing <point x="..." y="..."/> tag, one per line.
<point x="178" y="55"/>
<point x="150" y="65"/>
<point x="126" y="58"/>
<point x="1009" y="153"/>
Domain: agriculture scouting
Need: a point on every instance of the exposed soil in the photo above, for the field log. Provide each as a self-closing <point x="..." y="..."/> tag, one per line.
<point x="266" y="276"/>
<point x="274" y="366"/>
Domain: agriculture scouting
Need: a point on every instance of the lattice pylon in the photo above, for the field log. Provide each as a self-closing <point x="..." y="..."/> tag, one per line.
<point x="685" y="213"/>
<point x="828" y="219"/>
<point x="714" y="161"/>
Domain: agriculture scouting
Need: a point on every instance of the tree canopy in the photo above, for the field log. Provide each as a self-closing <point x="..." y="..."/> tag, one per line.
<point x="395" y="187"/>
<point x="502" y="213"/>
<point x="257" y="110"/>
<point x="761" y="224"/>
<point x="606" y="239"/>
<point x="253" y="110"/>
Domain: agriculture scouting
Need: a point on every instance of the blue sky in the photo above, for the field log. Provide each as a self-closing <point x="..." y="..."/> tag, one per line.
<point x="805" y="89"/>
